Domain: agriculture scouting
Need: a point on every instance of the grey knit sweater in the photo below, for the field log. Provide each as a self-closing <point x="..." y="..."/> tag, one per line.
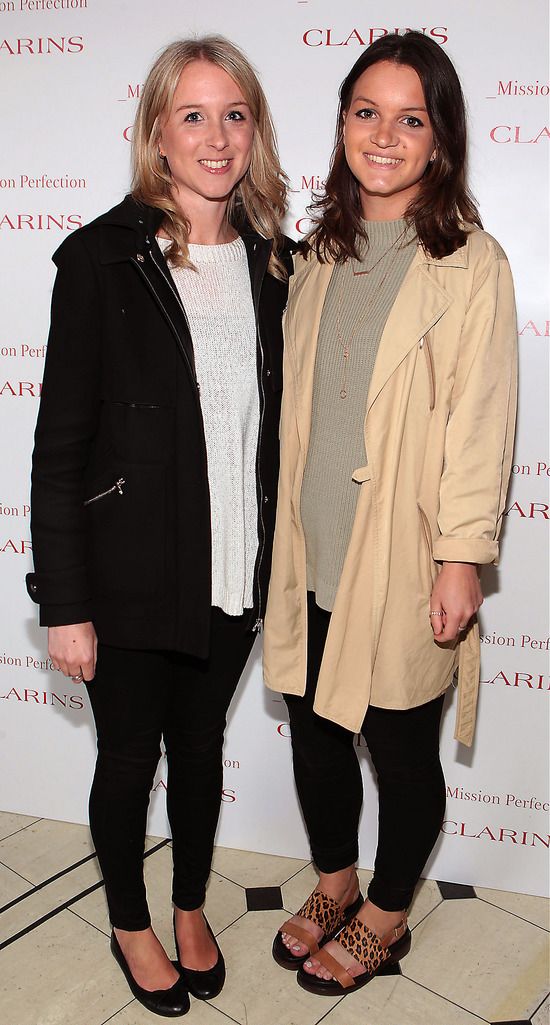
<point x="354" y="315"/>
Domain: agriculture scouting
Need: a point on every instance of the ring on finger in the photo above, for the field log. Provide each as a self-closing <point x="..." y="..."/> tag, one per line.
<point x="437" y="613"/>
<point x="78" y="678"/>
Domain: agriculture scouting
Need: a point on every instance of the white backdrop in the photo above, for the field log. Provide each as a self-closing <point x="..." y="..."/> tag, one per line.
<point x="70" y="72"/>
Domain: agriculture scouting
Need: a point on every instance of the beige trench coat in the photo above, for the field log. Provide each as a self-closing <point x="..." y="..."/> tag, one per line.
<point x="439" y="425"/>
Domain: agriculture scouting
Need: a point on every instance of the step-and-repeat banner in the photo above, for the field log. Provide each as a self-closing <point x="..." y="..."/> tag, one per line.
<point x="71" y="73"/>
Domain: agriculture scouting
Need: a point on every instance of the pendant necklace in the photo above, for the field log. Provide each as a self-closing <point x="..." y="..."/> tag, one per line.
<point x="346" y="346"/>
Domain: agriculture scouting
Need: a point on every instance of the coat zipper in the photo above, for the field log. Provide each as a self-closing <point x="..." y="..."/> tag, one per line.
<point x="138" y="405"/>
<point x="258" y="625"/>
<point x="425" y="345"/>
<point x="154" y="292"/>
<point x="118" y="486"/>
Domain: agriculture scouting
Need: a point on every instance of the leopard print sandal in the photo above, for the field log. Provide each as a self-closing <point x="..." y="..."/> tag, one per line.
<point x="323" y="911"/>
<point x="376" y="953"/>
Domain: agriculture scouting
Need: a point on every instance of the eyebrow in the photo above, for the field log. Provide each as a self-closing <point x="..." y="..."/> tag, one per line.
<point x="365" y="99"/>
<point x="195" y="106"/>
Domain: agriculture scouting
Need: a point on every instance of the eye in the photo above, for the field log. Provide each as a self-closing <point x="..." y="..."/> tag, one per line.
<point x="193" y="117"/>
<point x="235" y="115"/>
<point x="413" y="122"/>
<point x="366" y="113"/>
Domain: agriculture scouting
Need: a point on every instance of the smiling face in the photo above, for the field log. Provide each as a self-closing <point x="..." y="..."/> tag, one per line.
<point x="388" y="138"/>
<point x="207" y="138"/>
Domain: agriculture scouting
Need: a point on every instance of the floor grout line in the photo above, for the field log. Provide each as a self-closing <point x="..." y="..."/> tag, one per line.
<point x="537" y="1009"/>
<point x="514" y="913"/>
<point x="427" y="915"/>
<point x="68" y="903"/>
<point x="46" y="882"/>
<point x="51" y="914"/>
<point x="123" y="1008"/>
<point x="227" y="879"/>
<point x="223" y="1013"/>
<point x="446" y="999"/>
<point x="21" y="828"/>
<point x="16" y="873"/>
<point x="86" y="922"/>
<point x="337" y="1004"/>
<point x="234" y="922"/>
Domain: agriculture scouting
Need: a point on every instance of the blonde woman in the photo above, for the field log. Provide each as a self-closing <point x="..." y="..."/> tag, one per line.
<point x="154" y="479"/>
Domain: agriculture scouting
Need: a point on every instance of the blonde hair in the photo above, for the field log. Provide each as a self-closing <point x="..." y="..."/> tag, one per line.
<point x="260" y="197"/>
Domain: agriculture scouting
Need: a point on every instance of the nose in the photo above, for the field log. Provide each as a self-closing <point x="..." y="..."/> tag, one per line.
<point x="384" y="134"/>
<point x="217" y="135"/>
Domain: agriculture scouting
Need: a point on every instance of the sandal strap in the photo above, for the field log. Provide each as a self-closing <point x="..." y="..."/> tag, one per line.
<point x="394" y="934"/>
<point x="365" y="946"/>
<point x="300" y="934"/>
<point x="336" y="969"/>
<point x="323" y="911"/>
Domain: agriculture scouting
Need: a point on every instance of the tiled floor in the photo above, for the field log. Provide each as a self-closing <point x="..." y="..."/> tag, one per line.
<point x="477" y="955"/>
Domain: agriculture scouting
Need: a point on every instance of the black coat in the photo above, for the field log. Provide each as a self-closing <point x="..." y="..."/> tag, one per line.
<point x="120" y="498"/>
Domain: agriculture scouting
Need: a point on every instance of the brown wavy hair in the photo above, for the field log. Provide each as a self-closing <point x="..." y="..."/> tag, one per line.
<point x="443" y="207"/>
<point x="260" y="198"/>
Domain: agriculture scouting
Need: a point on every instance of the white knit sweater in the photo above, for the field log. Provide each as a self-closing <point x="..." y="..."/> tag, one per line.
<point x="218" y="302"/>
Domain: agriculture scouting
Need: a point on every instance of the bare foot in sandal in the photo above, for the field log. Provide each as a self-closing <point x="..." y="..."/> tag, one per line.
<point x="343" y="889"/>
<point x="378" y="921"/>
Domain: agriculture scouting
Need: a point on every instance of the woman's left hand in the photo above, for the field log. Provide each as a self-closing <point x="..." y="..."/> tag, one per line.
<point x="456" y="597"/>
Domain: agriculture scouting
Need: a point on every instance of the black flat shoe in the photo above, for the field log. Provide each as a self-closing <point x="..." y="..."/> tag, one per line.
<point x="171" y="1003"/>
<point x="323" y="911"/>
<point x="207" y="984"/>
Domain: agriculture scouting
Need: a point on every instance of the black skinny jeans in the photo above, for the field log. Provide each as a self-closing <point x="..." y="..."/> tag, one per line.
<point x="404" y="748"/>
<point x="139" y="697"/>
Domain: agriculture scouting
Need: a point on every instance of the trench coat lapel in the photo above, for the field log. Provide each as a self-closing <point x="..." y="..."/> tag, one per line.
<point x="420" y="304"/>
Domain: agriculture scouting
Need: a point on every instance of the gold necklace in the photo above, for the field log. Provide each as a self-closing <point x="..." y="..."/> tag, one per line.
<point x="346" y="346"/>
<point x="368" y="270"/>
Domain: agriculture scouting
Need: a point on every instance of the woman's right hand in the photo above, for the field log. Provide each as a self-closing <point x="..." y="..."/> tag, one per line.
<point x="73" y="650"/>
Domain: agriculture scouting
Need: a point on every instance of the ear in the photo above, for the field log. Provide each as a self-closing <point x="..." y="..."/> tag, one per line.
<point x="433" y="156"/>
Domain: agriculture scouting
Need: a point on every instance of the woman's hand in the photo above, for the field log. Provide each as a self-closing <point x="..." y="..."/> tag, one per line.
<point x="456" y="597"/>
<point x="73" y="650"/>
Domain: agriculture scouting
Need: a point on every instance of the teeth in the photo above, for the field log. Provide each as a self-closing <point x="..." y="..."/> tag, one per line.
<point x="215" y="164"/>
<point x="382" y="160"/>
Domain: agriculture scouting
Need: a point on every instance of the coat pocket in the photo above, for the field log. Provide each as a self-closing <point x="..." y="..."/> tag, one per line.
<point x="426" y="346"/>
<point x="426" y="535"/>
<point x="127" y="536"/>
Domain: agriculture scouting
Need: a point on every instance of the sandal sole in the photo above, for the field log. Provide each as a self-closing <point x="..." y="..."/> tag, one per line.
<point x="332" y="988"/>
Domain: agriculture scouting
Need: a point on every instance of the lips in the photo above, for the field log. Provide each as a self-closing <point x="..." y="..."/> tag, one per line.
<point x="383" y="161"/>
<point x="215" y="165"/>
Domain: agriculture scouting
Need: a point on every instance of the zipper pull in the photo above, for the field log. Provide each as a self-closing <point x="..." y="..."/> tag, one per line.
<point x="421" y="346"/>
<point x="119" y="484"/>
<point x="258" y="626"/>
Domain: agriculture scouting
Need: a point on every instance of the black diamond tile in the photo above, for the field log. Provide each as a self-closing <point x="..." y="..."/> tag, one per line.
<point x="456" y="891"/>
<point x="263" y="898"/>
<point x="522" y="1022"/>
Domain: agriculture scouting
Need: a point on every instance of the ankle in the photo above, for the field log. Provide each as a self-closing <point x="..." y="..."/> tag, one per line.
<point x="342" y="885"/>
<point x="382" y="922"/>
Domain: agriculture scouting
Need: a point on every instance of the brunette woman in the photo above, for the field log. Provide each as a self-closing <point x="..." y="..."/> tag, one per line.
<point x="397" y="425"/>
<point x="154" y="479"/>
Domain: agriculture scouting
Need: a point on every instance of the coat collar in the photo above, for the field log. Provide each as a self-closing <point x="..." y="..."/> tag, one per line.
<point x="140" y="223"/>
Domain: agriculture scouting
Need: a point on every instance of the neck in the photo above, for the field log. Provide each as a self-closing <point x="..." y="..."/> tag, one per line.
<point x="386" y="208"/>
<point x="208" y="221"/>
